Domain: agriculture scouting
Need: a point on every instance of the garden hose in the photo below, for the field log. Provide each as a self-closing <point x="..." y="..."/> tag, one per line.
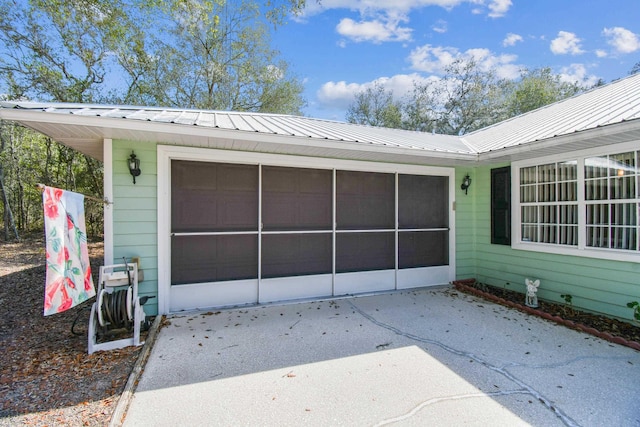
<point x="114" y="309"/>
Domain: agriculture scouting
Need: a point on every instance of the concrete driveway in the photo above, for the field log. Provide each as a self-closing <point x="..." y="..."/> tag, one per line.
<point x="415" y="358"/>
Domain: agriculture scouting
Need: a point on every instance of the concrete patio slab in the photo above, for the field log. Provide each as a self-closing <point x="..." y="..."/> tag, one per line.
<point x="422" y="357"/>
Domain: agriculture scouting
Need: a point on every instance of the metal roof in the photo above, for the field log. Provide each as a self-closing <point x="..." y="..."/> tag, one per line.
<point x="77" y="125"/>
<point x="605" y="115"/>
<point x="614" y="103"/>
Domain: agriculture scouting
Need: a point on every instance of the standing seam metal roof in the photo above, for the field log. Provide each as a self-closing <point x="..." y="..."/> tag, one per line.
<point x="613" y="103"/>
<point x="616" y="102"/>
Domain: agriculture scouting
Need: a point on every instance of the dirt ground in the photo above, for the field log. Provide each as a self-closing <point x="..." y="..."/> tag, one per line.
<point x="46" y="376"/>
<point x="617" y="328"/>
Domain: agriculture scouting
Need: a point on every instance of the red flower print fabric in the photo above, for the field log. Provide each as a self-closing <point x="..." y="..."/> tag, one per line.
<point x="69" y="281"/>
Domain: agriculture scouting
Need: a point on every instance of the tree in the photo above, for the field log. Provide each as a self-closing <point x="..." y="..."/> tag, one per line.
<point x="421" y="107"/>
<point x="375" y="106"/>
<point x="180" y="53"/>
<point x="537" y="88"/>
<point x="464" y="99"/>
<point x="212" y="55"/>
<point x="471" y="98"/>
<point x="201" y="53"/>
<point x="60" y="49"/>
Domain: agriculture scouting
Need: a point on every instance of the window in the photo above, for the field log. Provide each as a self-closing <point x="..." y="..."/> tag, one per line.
<point x="587" y="204"/>
<point x="611" y="201"/>
<point x="548" y="203"/>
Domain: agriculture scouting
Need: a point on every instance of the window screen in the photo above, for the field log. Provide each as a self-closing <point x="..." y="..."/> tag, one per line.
<point x="213" y="197"/>
<point x="423" y="249"/>
<point x="423" y="201"/>
<point x="296" y="199"/>
<point x="365" y="200"/>
<point x="365" y="251"/>
<point x="200" y="259"/>
<point x="285" y="255"/>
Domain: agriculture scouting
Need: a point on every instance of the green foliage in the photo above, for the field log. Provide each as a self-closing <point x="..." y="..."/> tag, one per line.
<point x="212" y="55"/>
<point x="535" y="89"/>
<point x="28" y="158"/>
<point x="568" y="303"/>
<point x="635" y="305"/>
<point x="567" y="298"/>
<point x="184" y="53"/>
<point x="375" y="107"/>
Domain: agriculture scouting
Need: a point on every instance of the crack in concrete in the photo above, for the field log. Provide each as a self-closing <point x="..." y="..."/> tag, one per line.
<point x="566" y="363"/>
<point x="435" y="400"/>
<point x="566" y="419"/>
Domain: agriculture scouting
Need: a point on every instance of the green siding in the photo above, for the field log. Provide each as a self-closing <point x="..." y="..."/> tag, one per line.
<point x="596" y="285"/>
<point x="465" y="226"/>
<point x="135" y="216"/>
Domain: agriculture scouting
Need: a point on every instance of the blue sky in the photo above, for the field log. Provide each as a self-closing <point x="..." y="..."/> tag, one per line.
<point x="341" y="47"/>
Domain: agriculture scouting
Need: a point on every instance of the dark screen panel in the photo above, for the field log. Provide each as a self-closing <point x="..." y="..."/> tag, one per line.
<point x="423" y="249"/>
<point x="201" y="259"/>
<point x="296" y="199"/>
<point x="423" y="201"/>
<point x="365" y="252"/>
<point x="213" y="197"/>
<point x="365" y="200"/>
<point x="286" y="255"/>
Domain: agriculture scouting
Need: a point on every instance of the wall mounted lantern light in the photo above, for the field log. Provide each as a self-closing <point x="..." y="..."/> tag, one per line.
<point x="134" y="166"/>
<point x="466" y="182"/>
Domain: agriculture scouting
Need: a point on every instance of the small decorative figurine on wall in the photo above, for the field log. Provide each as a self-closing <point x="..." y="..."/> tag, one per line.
<point x="531" y="299"/>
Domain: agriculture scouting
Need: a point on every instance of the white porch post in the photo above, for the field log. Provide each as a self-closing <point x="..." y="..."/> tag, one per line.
<point x="108" y="194"/>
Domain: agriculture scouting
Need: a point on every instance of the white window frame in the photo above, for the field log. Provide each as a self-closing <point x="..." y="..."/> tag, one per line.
<point x="581" y="249"/>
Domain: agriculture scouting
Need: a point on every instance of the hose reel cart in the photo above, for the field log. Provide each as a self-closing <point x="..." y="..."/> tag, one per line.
<point x="117" y="310"/>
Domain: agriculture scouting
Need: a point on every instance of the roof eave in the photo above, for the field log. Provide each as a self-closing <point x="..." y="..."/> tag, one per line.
<point x="60" y="127"/>
<point x="616" y="133"/>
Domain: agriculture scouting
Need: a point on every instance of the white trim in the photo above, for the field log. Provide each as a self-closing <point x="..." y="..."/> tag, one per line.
<point x="164" y="230"/>
<point x="581" y="250"/>
<point x="288" y="288"/>
<point x="423" y="276"/>
<point x="365" y="281"/>
<point x="260" y="226"/>
<point x="206" y="295"/>
<point x="246" y="157"/>
<point x="107" y="148"/>
<point x="396" y="254"/>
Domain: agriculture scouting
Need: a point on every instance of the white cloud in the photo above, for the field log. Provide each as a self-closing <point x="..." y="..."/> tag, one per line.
<point x="337" y="94"/>
<point x="601" y="53"/>
<point x="577" y="73"/>
<point x="376" y="31"/>
<point x="499" y="8"/>
<point x="434" y="59"/>
<point x="340" y="95"/>
<point x="565" y="43"/>
<point x="622" y="40"/>
<point x="440" y="26"/>
<point x="511" y="39"/>
<point x="496" y="8"/>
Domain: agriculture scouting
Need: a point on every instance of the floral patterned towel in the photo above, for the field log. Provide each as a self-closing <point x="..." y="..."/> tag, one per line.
<point x="69" y="280"/>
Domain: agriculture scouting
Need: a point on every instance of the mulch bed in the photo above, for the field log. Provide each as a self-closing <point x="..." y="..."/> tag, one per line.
<point x="46" y="375"/>
<point x="607" y="328"/>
